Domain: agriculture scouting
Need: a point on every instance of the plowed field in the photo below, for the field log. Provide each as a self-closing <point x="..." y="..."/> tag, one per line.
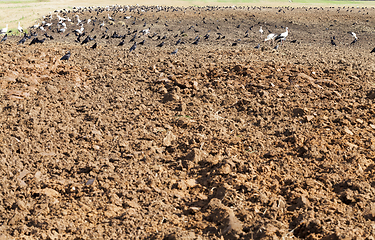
<point x="218" y="141"/>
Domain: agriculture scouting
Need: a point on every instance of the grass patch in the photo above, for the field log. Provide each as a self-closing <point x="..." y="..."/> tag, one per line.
<point x="21" y="1"/>
<point x="18" y="1"/>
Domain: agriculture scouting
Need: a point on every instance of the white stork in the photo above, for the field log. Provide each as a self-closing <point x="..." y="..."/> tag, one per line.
<point x="80" y="31"/>
<point x="35" y="26"/>
<point x="354" y="35"/>
<point x="261" y="31"/>
<point x="283" y="36"/>
<point x="20" y="29"/>
<point x="4" y="30"/>
<point x="78" y="20"/>
<point x="62" y="30"/>
<point x="270" y="36"/>
<point x="60" y="18"/>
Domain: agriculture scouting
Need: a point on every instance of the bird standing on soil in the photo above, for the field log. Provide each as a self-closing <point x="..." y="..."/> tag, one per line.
<point x="35" y="40"/>
<point x="133" y="47"/>
<point x="20" y="29"/>
<point x="4" y="30"/>
<point x="87" y="39"/>
<point x="373" y="51"/>
<point x="160" y="45"/>
<point x="355" y="37"/>
<point x="22" y="41"/>
<point x="282" y="36"/>
<point x="333" y="42"/>
<point x="197" y="39"/>
<point x="257" y="46"/>
<point x="4" y="38"/>
<point x="174" y="52"/>
<point x="79" y="31"/>
<point x="78" y="20"/>
<point x="354" y="41"/>
<point x="270" y="37"/>
<point x="66" y="56"/>
<point x="94" y="46"/>
<point x="261" y="31"/>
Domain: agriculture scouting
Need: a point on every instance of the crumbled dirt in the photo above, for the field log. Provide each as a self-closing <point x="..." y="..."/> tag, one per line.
<point x="216" y="141"/>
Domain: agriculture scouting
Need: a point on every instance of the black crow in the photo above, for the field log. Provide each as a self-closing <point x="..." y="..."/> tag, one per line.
<point x="133" y="47"/>
<point x="66" y="56"/>
<point x="133" y="39"/>
<point x="196" y="41"/>
<point x="22" y="41"/>
<point x="175" y="51"/>
<point x="87" y="39"/>
<point x="35" y="40"/>
<point x="41" y="41"/>
<point x="4" y="38"/>
<point x="333" y="43"/>
<point x="354" y="41"/>
<point x="160" y="44"/>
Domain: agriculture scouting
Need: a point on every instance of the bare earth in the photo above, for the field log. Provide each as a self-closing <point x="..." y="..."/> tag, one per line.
<point x="216" y="141"/>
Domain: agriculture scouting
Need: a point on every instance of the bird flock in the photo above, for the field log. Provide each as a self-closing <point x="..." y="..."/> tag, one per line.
<point x="129" y="25"/>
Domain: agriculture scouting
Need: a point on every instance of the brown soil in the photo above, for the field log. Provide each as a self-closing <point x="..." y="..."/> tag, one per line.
<point x="217" y="141"/>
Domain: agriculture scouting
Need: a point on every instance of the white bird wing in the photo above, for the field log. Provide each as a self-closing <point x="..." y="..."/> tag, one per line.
<point x="270" y="37"/>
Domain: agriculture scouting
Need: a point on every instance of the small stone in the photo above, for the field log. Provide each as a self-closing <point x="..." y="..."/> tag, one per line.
<point x="163" y="90"/>
<point x="112" y="211"/>
<point x="305" y="76"/>
<point x="358" y="120"/>
<point x="50" y="192"/>
<point x="21" y="205"/>
<point x="22" y="183"/>
<point x="171" y="97"/>
<point x="52" y="89"/>
<point x="38" y="175"/>
<point x="23" y="174"/>
<point x="369" y="212"/>
<point x="195" y="85"/>
<point x="372" y="126"/>
<point x="309" y="117"/>
<point x="191" y="183"/>
<point x="346" y="130"/>
<point x="90" y="182"/>
<point x="303" y="202"/>
<point x="182" y="107"/>
<point x="167" y="141"/>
